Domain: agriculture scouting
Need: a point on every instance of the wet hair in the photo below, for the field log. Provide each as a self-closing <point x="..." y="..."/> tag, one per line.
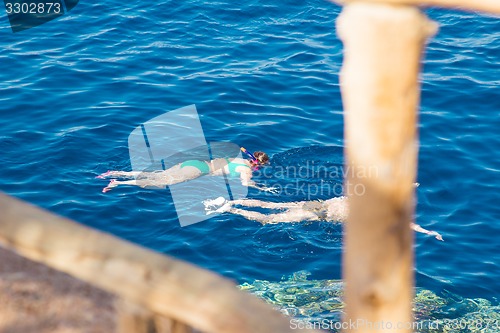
<point x="261" y="157"/>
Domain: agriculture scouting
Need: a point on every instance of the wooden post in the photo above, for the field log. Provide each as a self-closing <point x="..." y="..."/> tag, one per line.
<point x="380" y="91"/>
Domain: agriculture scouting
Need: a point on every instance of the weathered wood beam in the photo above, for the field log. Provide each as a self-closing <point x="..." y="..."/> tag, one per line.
<point x="133" y="318"/>
<point x="383" y="45"/>
<point x="486" y="6"/>
<point x="165" y="286"/>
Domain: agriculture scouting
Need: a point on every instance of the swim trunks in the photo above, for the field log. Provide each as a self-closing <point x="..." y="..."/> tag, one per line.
<point x="318" y="208"/>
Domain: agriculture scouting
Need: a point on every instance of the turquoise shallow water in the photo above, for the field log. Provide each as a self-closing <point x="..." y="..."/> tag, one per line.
<point x="264" y="76"/>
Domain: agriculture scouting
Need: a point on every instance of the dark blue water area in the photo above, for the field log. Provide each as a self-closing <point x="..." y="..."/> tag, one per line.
<point x="262" y="75"/>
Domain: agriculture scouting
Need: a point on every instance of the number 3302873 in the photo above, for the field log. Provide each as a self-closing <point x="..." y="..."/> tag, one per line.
<point x="33" y="8"/>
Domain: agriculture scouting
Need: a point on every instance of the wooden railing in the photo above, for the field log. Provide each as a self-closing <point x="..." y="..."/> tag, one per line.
<point x="158" y="293"/>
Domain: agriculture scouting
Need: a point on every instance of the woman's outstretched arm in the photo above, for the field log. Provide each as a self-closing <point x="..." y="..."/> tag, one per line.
<point x="246" y="180"/>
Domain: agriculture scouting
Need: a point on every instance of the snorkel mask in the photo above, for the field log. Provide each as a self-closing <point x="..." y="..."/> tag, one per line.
<point x="255" y="162"/>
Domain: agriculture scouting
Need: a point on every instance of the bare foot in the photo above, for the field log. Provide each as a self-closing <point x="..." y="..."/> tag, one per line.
<point x="104" y="175"/>
<point x="110" y="186"/>
<point x="214" y="202"/>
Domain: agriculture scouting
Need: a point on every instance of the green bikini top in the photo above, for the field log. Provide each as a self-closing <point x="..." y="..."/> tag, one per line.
<point x="232" y="167"/>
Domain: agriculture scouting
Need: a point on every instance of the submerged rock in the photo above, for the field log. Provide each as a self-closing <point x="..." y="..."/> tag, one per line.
<point x="318" y="304"/>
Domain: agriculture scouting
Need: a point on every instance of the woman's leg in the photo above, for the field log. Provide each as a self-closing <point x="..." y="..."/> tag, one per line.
<point x="141" y="183"/>
<point x="176" y="175"/>
<point x="114" y="183"/>
<point x="158" y="179"/>
<point x="119" y="174"/>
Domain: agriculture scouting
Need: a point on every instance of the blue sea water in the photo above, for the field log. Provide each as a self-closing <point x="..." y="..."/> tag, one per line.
<point x="263" y="75"/>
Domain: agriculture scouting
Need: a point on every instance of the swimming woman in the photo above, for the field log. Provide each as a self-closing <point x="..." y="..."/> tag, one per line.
<point x="191" y="169"/>
<point x="331" y="210"/>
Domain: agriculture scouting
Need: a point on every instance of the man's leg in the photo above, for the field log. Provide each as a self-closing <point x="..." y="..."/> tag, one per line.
<point x="264" y="204"/>
<point x="290" y="215"/>
<point x="215" y="203"/>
